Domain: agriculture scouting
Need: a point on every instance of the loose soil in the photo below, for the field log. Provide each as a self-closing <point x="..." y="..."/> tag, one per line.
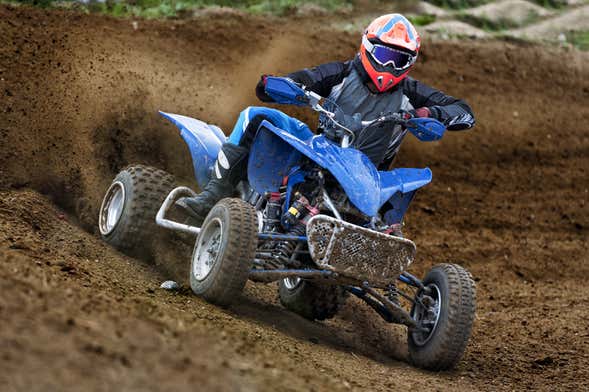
<point x="79" y="100"/>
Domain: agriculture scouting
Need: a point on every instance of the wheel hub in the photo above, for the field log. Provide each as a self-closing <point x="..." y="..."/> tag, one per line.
<point x="426" y="312"/>
<point x="112" y="207"/>
<point x="292" y="282"/>
<point x="208" y="247"/>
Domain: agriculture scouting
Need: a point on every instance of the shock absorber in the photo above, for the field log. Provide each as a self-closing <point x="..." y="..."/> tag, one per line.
<point x="272" y="211"/>
<point x="286" y="248"/>
<point x="393" y="293"/>
<point x="296" y="218"/>
<point x="296" y="211"/>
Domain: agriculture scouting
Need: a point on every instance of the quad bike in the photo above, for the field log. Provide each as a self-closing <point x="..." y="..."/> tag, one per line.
<point x="310" y="215"/>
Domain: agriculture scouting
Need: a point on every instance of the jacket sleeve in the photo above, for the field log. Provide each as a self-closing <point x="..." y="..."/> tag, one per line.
<point x="455" y="113"/>
<point x="320" y="79"/>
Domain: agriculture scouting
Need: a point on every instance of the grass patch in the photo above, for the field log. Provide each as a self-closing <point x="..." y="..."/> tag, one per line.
<point x="175" y="8"/>
<point x="285" y="7"/>
<point x="486" y="24"/>
<point x="421" y="20"/>
<point x="579" y="39"/>
<point x="498" y="25"/>
<point x="458" y="4"/>
<point x="554" y="4"/>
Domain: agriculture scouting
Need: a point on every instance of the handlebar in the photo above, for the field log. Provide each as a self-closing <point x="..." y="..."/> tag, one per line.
<point x="286" y="91"/>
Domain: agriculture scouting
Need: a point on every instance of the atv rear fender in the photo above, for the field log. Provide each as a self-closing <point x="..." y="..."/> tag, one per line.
<point x="204" y="142"/>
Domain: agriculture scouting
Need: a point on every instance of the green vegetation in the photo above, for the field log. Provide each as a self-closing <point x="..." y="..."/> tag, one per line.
<point x="281" y="7"/>
<point x="422" y="20"/>
<point x="495" y="25"/>
<point x="579" y="39"/>
<point x="486" y="24"/>
<point x="551" y="3"/>
<point x="458" y="4"/>
<point x="174" y="8"/>
<point x="462" y="4"/>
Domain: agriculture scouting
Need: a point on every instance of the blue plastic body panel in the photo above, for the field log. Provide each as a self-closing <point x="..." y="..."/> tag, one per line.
<point x="270" y="160"/>
<point x="426" y="129"/>
<point x="204" y="142"/>
<point x="285" y="91"/>
<point x="275" y="151"/>
<point x="400" y="203"/>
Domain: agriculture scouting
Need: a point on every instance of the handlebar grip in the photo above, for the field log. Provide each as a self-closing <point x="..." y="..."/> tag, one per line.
<point x="286" y="91"/>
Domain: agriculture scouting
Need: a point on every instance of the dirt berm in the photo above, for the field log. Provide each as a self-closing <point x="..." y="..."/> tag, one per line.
<point x="79" y="96"/>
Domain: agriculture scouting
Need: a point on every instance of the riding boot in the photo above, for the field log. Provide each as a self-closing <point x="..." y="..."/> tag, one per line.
<point x="228" y="170"/>
<point x="395" y="229"/>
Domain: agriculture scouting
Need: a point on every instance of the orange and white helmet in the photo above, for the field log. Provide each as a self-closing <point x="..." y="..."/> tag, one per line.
<point x="389" y="48"/>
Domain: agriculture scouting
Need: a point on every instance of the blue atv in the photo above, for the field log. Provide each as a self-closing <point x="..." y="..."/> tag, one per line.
<point x="316" y="215"/>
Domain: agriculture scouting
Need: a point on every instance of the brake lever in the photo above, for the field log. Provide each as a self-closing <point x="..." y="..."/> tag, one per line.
<point x="313" y="99"/>
<point x="397" y="117"/>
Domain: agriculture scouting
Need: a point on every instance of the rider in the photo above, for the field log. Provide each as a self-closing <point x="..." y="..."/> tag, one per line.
<point x="373" y="83"/>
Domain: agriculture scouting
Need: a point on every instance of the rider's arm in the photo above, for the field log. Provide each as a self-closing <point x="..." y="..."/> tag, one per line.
<point x="320" y="79"/>
<point x="455" y="113"/>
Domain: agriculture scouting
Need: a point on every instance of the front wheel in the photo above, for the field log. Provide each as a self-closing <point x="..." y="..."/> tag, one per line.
<point x="445" y="311"/>
<point x="224" y="252"/>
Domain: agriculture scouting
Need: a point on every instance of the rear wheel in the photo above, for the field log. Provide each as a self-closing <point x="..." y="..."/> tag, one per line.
<point x="446" y="312"/>
<point x="224" y="252"/>
<point x="127" y="215"/>
<point x="311" y="300"/>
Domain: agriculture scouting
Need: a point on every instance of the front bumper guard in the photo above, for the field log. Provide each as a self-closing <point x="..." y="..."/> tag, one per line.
<point x="357" y="252"/>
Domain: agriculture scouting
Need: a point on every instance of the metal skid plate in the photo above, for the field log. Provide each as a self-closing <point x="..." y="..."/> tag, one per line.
<point x="357" y="252"/>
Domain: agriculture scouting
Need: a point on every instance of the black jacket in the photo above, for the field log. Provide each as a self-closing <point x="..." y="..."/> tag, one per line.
<point x="455" y="113"/>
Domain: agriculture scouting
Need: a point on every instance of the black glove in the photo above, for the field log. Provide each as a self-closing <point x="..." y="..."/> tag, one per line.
<point x="261" y="90"/>
<point x="419" y="112"/>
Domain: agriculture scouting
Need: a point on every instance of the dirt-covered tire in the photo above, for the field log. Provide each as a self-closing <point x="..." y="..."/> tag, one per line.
<point x="224" y="252"/>
<point x="311" y="300"/>
<point x="127" y="214"/>
<point x="442" y="348"/>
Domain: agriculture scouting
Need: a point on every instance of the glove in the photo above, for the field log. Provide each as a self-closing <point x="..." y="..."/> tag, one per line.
<point x="420" y="112"/>
<point x="261" y="90"/>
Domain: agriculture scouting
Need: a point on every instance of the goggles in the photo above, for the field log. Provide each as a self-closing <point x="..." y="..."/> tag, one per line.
<point x="389" y="57"/>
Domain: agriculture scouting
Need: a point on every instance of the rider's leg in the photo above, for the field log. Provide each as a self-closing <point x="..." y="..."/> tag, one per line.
<point x="381" y="147"/>
<point x="226" y="175"/>
<point x="231" y="164"/>
<point x="228" y="170"/>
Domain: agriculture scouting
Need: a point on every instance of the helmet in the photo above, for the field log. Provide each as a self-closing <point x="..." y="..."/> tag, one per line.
<point x="389" y="49"/>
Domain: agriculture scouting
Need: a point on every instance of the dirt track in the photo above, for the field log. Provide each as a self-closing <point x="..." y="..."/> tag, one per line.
<point x="79" y="96"/>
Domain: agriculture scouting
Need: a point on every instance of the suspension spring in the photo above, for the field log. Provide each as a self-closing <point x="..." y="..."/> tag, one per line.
<point x="392" y="293"/>
<point x="286" y="248"/>
<point x="272" y="212"/>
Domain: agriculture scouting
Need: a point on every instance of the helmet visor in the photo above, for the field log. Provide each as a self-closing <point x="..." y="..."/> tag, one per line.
<point x="389" y="57"/>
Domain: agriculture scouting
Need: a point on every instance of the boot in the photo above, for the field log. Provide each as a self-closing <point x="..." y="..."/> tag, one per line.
<point x="228" y="170"/>
<point x="395" y="230"/>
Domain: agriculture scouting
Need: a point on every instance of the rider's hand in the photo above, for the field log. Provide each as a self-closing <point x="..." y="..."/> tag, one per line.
<point x="261" y="90"/>
<point x="419" y="112"/>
